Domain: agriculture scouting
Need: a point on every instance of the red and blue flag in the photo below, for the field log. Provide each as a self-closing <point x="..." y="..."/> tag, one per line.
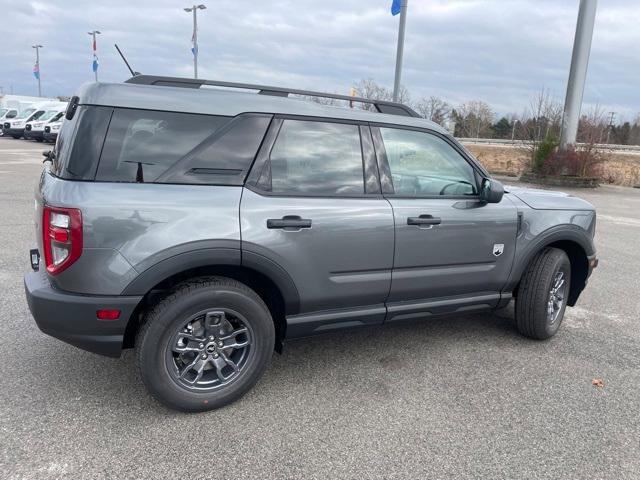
<point x="95" y="55"/>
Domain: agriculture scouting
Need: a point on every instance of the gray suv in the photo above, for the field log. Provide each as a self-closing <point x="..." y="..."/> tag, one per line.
<point x="203" y="226"/>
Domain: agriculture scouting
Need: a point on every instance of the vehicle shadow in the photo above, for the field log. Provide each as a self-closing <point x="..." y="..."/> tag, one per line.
<point x="360" y="358"/>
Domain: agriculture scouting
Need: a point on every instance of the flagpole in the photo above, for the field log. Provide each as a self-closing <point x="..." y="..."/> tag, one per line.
<point x="194" y="37"/>
<point x="195" y="42"/>
<point x="400" y="51"/>
<point x="38" y="47"/>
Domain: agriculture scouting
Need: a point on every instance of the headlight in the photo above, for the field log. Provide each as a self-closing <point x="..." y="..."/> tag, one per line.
<point x="55" y="128"/>
<point x="18" y="123"/>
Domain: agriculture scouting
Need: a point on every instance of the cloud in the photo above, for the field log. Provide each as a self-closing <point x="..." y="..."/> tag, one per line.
<point x="499" y="51"/>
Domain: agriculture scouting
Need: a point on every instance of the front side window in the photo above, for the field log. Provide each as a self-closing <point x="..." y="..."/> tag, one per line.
<point x="316" y="158"/>
<point x="423" y="164"/>
<point x="141" y="145"/>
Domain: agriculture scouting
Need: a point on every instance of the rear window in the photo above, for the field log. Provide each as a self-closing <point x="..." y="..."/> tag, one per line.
<point x="141" y="145"/>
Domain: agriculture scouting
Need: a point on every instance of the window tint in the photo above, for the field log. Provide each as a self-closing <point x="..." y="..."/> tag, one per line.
<point x="424" y="164"/>
<point x="141" y="145"/>
<point x="316" y="158"/>
<point x="79" y="142"/>
<point x="225" y="157"/>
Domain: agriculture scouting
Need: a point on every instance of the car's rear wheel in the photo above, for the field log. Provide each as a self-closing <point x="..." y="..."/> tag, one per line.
<point x="542" y="295"/>
<point x="205" y="345"/>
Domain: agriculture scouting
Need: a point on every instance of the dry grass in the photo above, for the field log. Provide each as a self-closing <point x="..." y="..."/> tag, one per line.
<point x="618" y="168"/>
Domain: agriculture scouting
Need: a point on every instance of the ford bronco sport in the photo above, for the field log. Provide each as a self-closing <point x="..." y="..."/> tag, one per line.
<point x="204" y="226"/>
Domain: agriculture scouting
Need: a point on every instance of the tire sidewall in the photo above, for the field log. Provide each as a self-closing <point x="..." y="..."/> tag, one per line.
<point x="152" y="348"/>
<point x="563" y="264"/>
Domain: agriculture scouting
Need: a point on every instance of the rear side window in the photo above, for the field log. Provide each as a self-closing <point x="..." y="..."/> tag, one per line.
<point x="80" y="140"/>
<point x="315" y="158"/>
<point x="141" y="145"/>
<point x="225" y="157"/>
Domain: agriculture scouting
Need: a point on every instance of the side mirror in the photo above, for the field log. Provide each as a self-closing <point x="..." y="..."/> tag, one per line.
<point x="491" y="191"/>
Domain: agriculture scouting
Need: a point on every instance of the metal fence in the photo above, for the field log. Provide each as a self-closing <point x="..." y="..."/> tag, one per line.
<point x="524" y="143"/>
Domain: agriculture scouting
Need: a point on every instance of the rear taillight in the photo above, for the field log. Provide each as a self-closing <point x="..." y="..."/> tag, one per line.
<point x="62" y="237"/>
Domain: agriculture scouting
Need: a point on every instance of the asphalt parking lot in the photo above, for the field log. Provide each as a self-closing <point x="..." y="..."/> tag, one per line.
<point x="459" y="397"/>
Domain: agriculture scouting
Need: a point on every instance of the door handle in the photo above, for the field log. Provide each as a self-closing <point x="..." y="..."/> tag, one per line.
<point x="424" y="220"/>
<point x="289" y="222"/>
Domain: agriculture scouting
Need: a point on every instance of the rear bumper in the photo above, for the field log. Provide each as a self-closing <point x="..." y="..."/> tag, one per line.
<point x="72" y="318"/>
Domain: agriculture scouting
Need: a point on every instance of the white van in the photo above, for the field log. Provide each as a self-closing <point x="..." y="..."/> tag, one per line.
<point x="15" y="128"/>
<point x="34" y="130"/>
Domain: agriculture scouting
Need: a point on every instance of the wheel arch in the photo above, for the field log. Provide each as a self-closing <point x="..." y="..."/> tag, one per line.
<point x="578" y="246"/>
<point x="265" y="277"/>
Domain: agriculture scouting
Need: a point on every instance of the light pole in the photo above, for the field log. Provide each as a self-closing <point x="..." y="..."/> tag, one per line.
<point x="194" y="37"/>
<point x="400" y="50"/>
<point x="578" y="72"/>
<point x="94" y="48"/>
<point x="36" y="69"/>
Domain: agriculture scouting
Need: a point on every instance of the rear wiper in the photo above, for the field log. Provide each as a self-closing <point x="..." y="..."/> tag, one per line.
<point x="139" y="172"/>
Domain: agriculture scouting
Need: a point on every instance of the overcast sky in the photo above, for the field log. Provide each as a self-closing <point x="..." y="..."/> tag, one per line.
<point x="499" y="51"/>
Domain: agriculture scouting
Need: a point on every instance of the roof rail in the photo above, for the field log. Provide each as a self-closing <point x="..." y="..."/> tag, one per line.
<point x="381" y="106"/>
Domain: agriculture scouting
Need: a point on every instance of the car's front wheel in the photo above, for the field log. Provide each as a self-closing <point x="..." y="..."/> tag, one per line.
<point x="543" y="293"/>
<point x="205" y="345"/>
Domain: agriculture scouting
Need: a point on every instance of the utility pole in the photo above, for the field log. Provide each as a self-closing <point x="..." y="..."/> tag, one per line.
<point x="610" y="126"/>
<point x="400" y="51"/>
<point x="95" y="52"/>
<point x="194" y="36"/>
<point x="578" y="72"/>
<point x="36" y="69"/>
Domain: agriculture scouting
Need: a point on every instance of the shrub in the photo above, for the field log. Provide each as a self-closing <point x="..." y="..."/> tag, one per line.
<point x="543" y="152"/>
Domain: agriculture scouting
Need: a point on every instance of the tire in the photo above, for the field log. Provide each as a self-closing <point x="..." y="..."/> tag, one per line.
<point x="534" y="318"/>
<point x="185" y="320"/>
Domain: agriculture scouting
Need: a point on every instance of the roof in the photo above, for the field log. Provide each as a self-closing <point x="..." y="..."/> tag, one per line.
<point x="213" y="101"/>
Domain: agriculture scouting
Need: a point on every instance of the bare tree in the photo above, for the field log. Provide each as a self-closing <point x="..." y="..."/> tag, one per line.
<point x="542" y="119"/>
<point x="591" y="130"/>
<point x="434" y="109"/>
<point x="368" y="88"/>
<point x="473" y="119"/>
<point x="539" y="128"/>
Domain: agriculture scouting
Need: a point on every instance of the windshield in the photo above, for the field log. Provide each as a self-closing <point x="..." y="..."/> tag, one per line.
<point x="48" y="115"/>
<point x="3" y="111"/>
<point x="36" y="115"/>
<point x="26" y="113"/>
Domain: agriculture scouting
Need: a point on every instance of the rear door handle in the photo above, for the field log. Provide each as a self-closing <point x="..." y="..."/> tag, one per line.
<point x="289" y="222"/>
<point x="424" y="220"/>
